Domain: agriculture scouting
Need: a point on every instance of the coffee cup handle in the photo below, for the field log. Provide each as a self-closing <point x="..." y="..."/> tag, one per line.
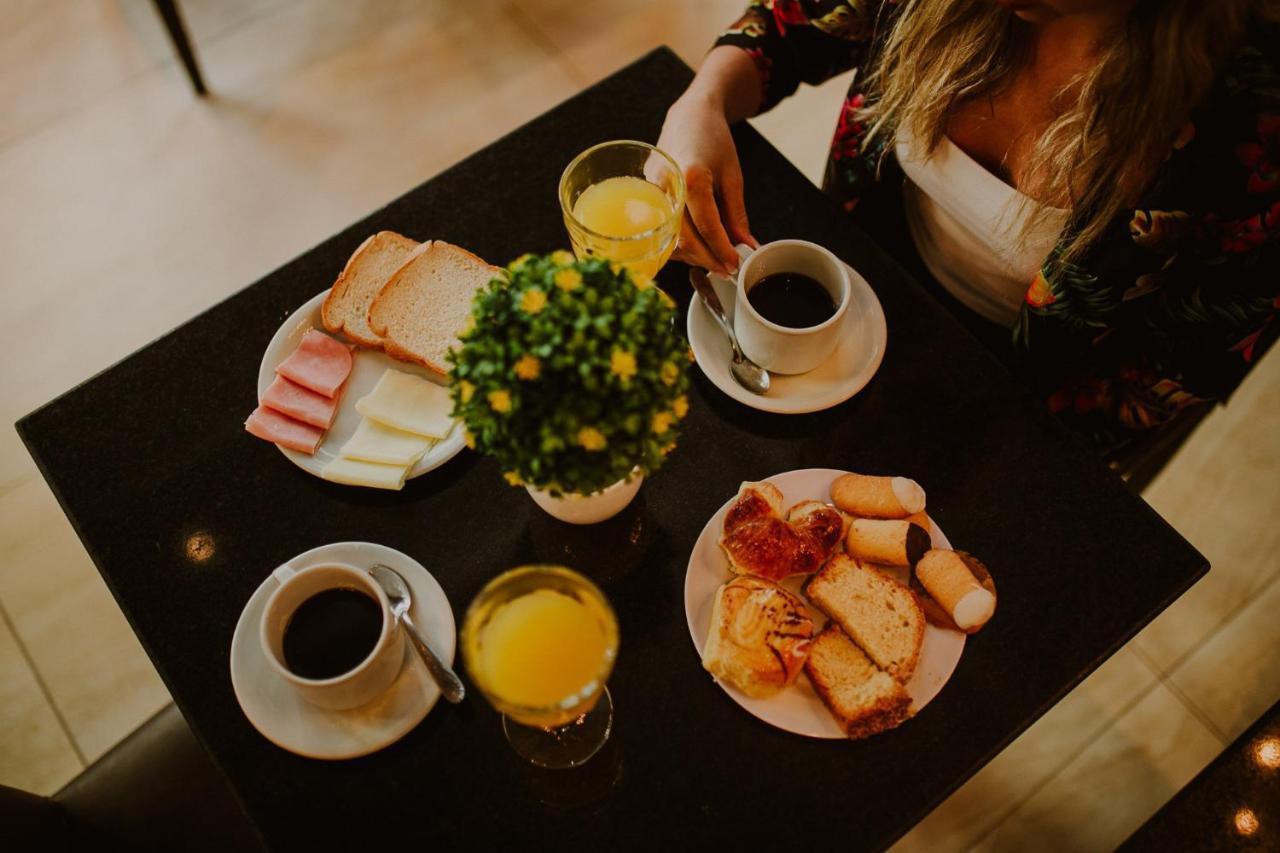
<point x="744" y="251"/>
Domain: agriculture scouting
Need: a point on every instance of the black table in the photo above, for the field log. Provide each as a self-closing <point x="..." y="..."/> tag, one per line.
<point x="150" y="457"/>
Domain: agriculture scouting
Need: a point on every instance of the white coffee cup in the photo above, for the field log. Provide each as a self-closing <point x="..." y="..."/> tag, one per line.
<point x="372" y="676"/>
<point x="782" y="349"/>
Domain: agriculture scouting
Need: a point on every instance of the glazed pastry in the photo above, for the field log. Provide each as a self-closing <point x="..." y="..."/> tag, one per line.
<point x="759" y="636"/>
<point x="895" y="542"/>
<point x="758" y="541"/>
<point x="877" y="497"/>
<point x="956" y="581"/>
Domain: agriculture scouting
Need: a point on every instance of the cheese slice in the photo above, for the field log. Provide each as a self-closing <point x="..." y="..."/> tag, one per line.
<point x="375" y="442"/>
<point x="409" y="403"/>
<point x="352" y="472"/>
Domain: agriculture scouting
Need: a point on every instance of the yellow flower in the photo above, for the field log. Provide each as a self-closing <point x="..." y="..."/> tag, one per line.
<point x="500" y="401"/>
<point x="519" y="262"/>
<point x="513" y="478"/>
<point x="669" y="373"/>
<point x="468" y="327"/>
<point x="666" y="300"/>
<point x="670" y="447"/>
<point x="528" y="367"/>
<point x="680" y="406"/>
<point x="662" y="422"/>
<point x="562" y="258"/>
<point x="692" y="358"/>
<point x="469" y="439"/>
<point x="466" y="391"/>
<point x="568" y="279"/>
<point x="591" y="438"/>
<point x="533" y="301"/>
<point x="622" y="364"/>
<point x="641" y="281"/>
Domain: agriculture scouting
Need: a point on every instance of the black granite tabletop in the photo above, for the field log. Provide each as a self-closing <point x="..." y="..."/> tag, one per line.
<point x="151" y="456"/>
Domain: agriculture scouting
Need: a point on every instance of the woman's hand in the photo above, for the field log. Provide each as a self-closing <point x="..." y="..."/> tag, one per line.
<point x="696" y="134"/>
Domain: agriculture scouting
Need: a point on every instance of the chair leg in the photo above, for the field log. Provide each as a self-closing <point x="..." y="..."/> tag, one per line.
<point x="168" y="10"/>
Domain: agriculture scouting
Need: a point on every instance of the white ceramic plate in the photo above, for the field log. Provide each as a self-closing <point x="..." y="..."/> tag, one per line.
<point x="289" y="721"/>
<point x="845" y="373"/>
<point x="367" y="367"/>
<point x="798" y="709"/>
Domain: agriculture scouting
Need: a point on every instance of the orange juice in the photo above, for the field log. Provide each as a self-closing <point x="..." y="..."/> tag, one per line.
<point x="632" y="221"/>
<point x="543" y="648"/>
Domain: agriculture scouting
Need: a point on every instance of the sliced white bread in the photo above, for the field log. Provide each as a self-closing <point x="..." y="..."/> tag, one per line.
<point x="879" y="614"/>
<point x="346" y="308"/>
<point x="424" y="307"/>
<point x="862" y="698"/>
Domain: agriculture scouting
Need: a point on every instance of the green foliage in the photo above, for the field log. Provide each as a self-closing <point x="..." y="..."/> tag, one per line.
<point x="571" y="374"/>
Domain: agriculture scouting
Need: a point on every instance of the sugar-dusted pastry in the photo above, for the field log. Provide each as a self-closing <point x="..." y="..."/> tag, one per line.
<point x="759" y="541"/>
<point x="891" y="542"/>
<point x="961" y="585"/>
<point x="759" y="636"/>
<point x="877" y="497"/>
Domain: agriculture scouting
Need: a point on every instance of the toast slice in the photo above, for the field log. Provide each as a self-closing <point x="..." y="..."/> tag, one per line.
<point x="423" y="308"/>
<point x="862" y="698"/>
<point x="879" y="614"/>
<point x="346" y="308"/>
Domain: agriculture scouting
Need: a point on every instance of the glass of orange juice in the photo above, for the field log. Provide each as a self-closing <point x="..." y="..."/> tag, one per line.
<point x="539" y="643"/>
<point x="623" y="201"/>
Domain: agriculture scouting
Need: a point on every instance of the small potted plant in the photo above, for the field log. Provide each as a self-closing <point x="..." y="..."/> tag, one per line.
<point x="572" y="375"/>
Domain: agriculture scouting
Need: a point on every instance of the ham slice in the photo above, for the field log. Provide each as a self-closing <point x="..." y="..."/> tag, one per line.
<point x="289" y="398"/>
<point x="320" y="363"/>
<point x="281" y="429"/>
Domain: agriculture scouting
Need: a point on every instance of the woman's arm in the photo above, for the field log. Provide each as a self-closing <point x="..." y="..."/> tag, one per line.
<point x="760" y="59"/>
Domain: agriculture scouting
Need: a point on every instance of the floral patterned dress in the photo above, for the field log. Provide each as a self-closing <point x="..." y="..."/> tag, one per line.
<point x="1172" y="305"/>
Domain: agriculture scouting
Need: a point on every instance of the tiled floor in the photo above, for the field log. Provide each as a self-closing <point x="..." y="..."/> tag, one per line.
<point x="129" y="206"/>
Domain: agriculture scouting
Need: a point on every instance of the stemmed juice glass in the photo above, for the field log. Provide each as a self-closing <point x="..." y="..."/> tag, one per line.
<point x="623" y="201"/>
<point x="540" y="643"/>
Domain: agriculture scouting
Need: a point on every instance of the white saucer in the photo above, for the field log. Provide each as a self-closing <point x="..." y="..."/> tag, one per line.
<point x="797" y="708"/>
<point x="292" y="723"/>
<point x="850" y="367"/>
<point x="367" y="367"/>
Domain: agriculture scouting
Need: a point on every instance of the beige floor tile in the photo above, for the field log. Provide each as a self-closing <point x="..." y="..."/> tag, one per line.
<point x="1114" y="784"/>
<point x="1221" y="492"/>
<point x="35" y="754"/>
<point x="1235" y="676"/>
<point x="57" y="57"/>
<point x="1032" y="759"/>
<point x="600" y="37"/>
<point x="96" y="673"/>
<point x="801" y="126"/>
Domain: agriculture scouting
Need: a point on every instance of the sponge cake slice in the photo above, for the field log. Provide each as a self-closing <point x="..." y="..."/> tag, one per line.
<point x="863" y="699"/>
<point x="879" y="614"/>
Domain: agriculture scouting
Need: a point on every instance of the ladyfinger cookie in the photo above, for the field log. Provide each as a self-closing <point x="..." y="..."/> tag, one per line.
<point x="959" y="583"/>
<point x="877" y="497"/>
<point x="892" y="542"/>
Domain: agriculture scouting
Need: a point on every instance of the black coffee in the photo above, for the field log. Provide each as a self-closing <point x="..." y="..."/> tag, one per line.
<point x="792" y="300"/>
<point x="332" y="632"/>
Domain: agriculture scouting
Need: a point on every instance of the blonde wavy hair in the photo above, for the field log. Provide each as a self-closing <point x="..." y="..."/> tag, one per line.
<point x="1126" y="111"/>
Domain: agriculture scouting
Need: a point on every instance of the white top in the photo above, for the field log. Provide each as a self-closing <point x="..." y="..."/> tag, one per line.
<point x="966" y="224"/>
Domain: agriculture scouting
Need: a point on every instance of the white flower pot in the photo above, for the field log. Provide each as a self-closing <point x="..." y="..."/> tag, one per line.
<point x="592" y="508"/>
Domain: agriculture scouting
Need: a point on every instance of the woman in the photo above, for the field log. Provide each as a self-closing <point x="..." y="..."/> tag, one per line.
<point x="1097" y="181"/>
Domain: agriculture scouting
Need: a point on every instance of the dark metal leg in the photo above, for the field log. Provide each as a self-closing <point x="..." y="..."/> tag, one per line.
<point x="172" y="18"/>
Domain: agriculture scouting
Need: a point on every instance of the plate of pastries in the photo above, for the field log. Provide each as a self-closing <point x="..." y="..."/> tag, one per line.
<point x="829" y="603"/>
